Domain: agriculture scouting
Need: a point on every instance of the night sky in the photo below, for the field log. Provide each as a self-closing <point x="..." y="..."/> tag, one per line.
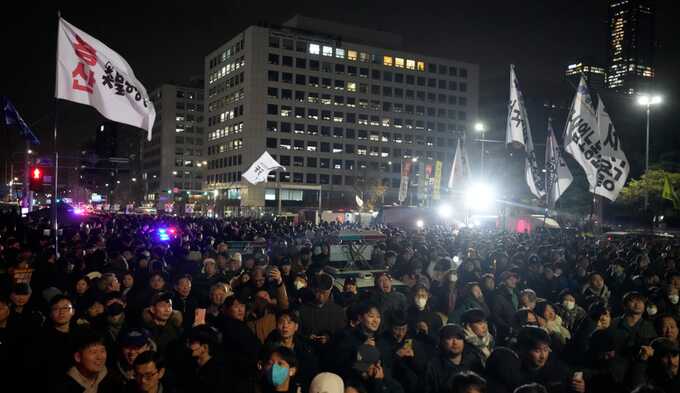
<point x="166" y="42"/>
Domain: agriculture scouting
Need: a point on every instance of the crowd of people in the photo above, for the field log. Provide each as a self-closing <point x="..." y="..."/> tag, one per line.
<point x="132" y="303"/>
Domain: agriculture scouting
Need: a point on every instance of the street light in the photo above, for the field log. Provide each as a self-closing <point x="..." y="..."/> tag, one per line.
<point x="480" y="127"/>
<point x="648" y="101"/>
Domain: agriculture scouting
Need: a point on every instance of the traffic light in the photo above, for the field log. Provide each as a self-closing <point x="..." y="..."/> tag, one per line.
<point x="36" y="179"/>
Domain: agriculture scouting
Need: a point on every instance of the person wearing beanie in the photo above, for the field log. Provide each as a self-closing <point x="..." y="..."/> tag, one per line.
<point x="477" y="331"/>
<point x="454" y="357"/>
<point x="327" y="383"/>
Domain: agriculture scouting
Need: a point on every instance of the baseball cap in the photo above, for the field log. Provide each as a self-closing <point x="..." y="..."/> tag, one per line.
<point x="473" y="315"/>
<point x="327" y="383"/>
<point x="367" y="355"/>
<point x="22" y="288"/>
<point x="134" y="338"/>
<point x="633" y="295"/>
<point x="663" y="346"/>
<point x="161" y="297"/>
<point x="507" y="274"/>
<point x="451" y="330"/>
<point x="236" y="256"/>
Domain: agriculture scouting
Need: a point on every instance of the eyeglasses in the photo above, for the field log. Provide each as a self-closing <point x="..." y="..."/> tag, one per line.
<point x="147" y="376"/>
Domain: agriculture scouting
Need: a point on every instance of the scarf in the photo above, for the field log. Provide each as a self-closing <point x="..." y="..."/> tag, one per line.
<point x="88" y="385"/>
<point x="555" y="326"/>
<point x="484" y="344"/>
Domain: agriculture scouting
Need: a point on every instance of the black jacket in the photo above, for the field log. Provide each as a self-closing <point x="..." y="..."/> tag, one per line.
<point x="440" y="370"/>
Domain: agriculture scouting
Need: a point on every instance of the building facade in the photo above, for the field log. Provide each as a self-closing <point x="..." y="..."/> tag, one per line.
<point x="595" y="75"/>
<point x="173" y="159"/>
<point x="631" y="45"/>
<point x="339" y="114"/>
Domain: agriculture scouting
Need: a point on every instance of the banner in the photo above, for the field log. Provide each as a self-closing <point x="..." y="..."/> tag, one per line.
<point x="669" y="192"/>
<point x="405" y="173"/>
<point x="613" y="168"/>
<point x="359" y="201"/>
<point x="260" y="169"/>
<point x="558" y="176"/>
<point x="436" y="187"/>
<point x="90" y="73"/>
<point x="582" y="137"/>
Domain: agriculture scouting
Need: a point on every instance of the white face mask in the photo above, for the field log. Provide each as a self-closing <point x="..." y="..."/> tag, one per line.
<point x="453" y="277"/>
<point x="674" y="298"/>
<point x="569" y="305"/>
<point x="421" y="302"/>
<point x="651" y="310"/>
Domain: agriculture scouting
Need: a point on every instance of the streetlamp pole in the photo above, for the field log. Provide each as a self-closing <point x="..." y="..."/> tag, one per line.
<point x="480" y="127"/>
<point x="648" y="101"/>
<point x="647" y="156"/>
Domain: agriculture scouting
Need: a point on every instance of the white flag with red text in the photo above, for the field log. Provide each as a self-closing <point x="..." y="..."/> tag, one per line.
<point x="90" y="73"/>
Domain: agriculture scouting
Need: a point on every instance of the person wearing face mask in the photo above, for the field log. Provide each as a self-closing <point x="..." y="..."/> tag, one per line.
<point x="444" y="288"/>
<point x="278" y="370"/>
<point x="571" y="313"/>
<point x="421" y="318"/>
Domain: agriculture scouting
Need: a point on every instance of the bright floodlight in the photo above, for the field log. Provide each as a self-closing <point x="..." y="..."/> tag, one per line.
<point x="646" y="100"/>
<point x="420" y="223"/>
<point x="414" y="159"/>
<point x="444" y="211"/>
<point x="479" y="196"/>
<point x="479" y="127"/>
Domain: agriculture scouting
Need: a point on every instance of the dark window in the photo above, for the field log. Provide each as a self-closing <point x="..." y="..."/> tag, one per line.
<point x="300" y="63"/>
<point x="325" y="147"/>
<point x="272" y="126"/>
<point x="273" y="76"/>
<point x="286" y="77"/>
<point x="337" y="179"/>
<point x="287" y="61"/>
<point x="463" y="73"/>
<point x="300" y="80"/>
<point x="311" y="162"/>
<point x="272" y="109"/>
<point x="387" y="76"/>
<point x="272" y="143"/>
<point x="375" y="74"/>
<point x="399" y="78"/>
<point x="273" y="92"/>
<point x="273" y="59"/>
<point x="314" y="65"/>
<point x="273" y="42"/>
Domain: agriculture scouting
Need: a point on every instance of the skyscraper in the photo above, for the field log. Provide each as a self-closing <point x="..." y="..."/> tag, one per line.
<point x="631" y="45"/>
<point x="594" y="75"/>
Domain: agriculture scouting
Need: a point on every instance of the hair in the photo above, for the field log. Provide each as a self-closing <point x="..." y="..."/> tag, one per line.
<point x="205" y="335"/>
<point x="183" y="276"/>
<point x="230" y="300"/>
<point x="366" y="307"/>
<point x="148" y="357"/>
<point x="219" y="285"/>
<point x="597" y="310"/>
<point x="541" y="306"/>
<point x="106" y="280"/>
<point x="286" y="353"/>
<point x="467" y="379"/>
<point x="531" y="388"/>
<point x="85" y="339"/>
<point x="530" y="337"/>
<point x="658" y="322"/>
<point x="291" y="314"/>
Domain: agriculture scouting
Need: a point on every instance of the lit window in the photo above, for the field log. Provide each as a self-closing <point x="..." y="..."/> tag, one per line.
<point x="387" y="60"/>
<point x="399" y="62"/>
<point x="327" y="51"/>
<point x="420" y="65"/>
<point x="351" y="86"/>
<point x="314" y="49"/>
<point x="410" y="64"/>
<point x="339" y="53"/>
<point x="352" y="55"/>
<point x="363" y="56"/>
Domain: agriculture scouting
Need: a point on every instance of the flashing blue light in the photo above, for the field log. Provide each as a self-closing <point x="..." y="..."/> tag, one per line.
<point x="163" y="235"/>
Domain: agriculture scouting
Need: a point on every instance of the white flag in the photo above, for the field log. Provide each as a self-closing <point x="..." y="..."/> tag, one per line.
<point x="258" y="172"/>
<point x="582" y="136"/>
<point x="90" y="73"/>
<point x="515" y="124"/>
<point x="460" y="168"/>
<point x="613" y="166"/>
<point x="359" y="201"/>
<point x="558" y="175"/>
<point x="518" y="132"/>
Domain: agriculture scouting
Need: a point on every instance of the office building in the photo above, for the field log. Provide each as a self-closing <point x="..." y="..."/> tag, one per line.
<point x="595" y="76"/>
<point x="631" y="37"/>
<point x="340" y="107"/>
<point x="172" y="162"/>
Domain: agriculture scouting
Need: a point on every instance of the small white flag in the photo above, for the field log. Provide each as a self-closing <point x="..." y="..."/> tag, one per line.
<point x="613" y="166"/>
<point x="360" y="202"/>
<point x="257" y="173"/>
<point x="460" y="168"/>
<point x="558" y="176"/>
<point x="90" y="73"/>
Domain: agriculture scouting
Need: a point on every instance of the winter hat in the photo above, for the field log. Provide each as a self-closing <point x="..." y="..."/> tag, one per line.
<point x="327" y="383"/>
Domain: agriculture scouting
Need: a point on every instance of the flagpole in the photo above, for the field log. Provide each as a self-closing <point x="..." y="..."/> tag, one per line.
<point x="56" y="152"/>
